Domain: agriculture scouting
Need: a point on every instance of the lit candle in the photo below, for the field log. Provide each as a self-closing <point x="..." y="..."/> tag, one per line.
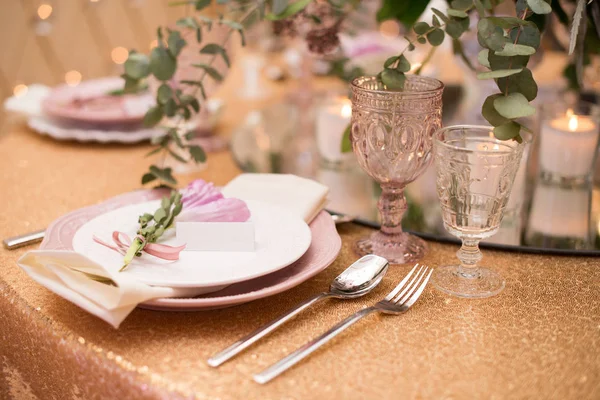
<point x="331" y="122"/>
<point x="568" y="145"/>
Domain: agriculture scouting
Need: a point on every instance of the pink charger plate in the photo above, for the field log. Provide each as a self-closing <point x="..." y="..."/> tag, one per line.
<point x="90" y="102"/>
<point x="323" y="250"/>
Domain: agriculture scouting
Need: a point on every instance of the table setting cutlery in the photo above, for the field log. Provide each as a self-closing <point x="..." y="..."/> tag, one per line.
<point x="356" y="281"/>
<point x="397" y="302"/>
<point x="26" y="239"/>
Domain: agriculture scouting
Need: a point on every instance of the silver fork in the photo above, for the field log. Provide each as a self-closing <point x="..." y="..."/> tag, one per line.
<point x="397" y="302"/>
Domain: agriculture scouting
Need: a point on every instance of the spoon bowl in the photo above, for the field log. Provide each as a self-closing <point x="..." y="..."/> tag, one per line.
<point x="359" y="278"/>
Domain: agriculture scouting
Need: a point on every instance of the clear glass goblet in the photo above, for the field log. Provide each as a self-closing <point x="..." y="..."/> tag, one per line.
<point x="391" y="137"/>
<point x="475" y="174"/>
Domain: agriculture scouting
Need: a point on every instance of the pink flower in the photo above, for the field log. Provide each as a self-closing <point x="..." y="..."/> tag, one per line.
<point x="222" y="210"/>
<point x="199" y="192"/>
<point x="202" y="202"/>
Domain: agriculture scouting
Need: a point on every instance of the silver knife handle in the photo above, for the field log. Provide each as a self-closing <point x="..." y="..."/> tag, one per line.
<point x="23" y="240"/>
<point x="261" y="332"/>
<point x="292" y="359"/>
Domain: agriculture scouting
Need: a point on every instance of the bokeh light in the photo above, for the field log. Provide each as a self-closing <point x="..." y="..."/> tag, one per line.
<point x="44" y="11"/>
<point x="389" y="28"/>
<point x="20" y="90"/>
<point x="73" y="78"/>
<point x="119" y="55"/>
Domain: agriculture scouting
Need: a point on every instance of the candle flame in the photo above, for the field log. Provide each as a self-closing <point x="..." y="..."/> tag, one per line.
<point x="346" y="111"/>
<point x="570" y="113"/>
<point x="573" y="123"/>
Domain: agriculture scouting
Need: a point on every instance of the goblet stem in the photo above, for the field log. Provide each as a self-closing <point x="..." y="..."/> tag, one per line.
<point x="469" y="256"/>
<point x="392" y="206"/>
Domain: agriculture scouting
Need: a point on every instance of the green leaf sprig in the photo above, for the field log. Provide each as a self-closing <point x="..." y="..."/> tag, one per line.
<point x="171" y="100"/>
<point x="454" y="25"/>
<point x="153" y="226"/>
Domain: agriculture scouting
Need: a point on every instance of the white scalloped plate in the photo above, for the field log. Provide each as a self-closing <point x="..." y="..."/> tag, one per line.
<point x="68" y="131"/>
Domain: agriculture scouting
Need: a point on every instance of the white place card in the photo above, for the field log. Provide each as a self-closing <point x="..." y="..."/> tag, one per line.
<point x="216" y="236"/>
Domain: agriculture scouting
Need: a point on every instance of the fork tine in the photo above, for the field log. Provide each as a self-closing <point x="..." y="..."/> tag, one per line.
<point x="401" y="298"/>
<point x="417" y="294"/>
<point x="408" y="286"/>
<point x="401" y="284"/>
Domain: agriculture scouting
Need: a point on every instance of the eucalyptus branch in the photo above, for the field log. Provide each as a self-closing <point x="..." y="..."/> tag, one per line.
<point x="519" y="30"/>
<point x="171" y="100"/>
<point x="200" y="155"/>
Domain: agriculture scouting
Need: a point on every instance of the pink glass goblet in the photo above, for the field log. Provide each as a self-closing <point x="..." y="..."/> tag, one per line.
<point x="391" y="137"/>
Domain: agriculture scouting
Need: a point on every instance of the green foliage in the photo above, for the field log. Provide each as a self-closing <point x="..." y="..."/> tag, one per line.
<point x="137" y="66"/>
<point x="162" y="63"/>
<point x="289" y="10"/>
<point x="499" y="73"/>
<point x="404" y="11"/>
<point x="511" y="49"/>
<point x="509" y="130"/>
<point x="213" y="73"/>
<point x="435" y="37"/>
<point x="522" y="82"/>
<point x="346" y="141"/>
<point x="393" y="79"/>
<point x="489" y="111"/>
<point x="213" y="48"/>
<point x="482" y="57"/>
<point x="539" y="6"/>
<point x="197" y="154"/>
<point x="508" y="43"/>
<point x="513" y="106"/>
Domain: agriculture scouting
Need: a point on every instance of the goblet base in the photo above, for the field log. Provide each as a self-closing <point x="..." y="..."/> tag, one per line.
<point x="399" y="248"/>
<point x="484" y="283"/>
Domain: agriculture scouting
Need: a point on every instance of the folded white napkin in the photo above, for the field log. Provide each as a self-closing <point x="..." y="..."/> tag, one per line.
<point x="111" y="295"/>
<point x="106" y="294"/>
<point x="30" y="103"/>
<point x="302" y="196"/>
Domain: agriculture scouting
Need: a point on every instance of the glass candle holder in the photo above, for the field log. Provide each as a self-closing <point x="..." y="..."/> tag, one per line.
<point x="332" y="117"/>
<point x="568" y="135"/>
<point x="391" y="138"/>
<point x="475" y="174"/>
<point x="560" y="217"/>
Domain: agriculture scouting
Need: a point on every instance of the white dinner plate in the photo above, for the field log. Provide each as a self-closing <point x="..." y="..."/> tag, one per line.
<point x="281" y="239"/>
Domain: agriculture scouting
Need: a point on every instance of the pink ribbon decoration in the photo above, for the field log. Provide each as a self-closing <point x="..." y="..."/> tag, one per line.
<point x="122" y="243"/>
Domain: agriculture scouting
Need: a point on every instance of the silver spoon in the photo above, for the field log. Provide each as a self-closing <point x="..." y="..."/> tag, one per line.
<point x="357" y="280"/>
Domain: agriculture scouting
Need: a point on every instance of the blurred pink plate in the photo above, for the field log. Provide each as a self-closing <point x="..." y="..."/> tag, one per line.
<point x="323" y="250"/>
<point x="91" y="102"/>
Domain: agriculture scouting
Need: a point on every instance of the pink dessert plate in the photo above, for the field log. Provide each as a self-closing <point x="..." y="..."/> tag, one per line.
<point x="323" y="250"/>
<point x="91" y="102"/>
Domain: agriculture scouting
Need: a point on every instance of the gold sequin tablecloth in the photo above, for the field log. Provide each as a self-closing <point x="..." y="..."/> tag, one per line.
<point x="539" y="339"/>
